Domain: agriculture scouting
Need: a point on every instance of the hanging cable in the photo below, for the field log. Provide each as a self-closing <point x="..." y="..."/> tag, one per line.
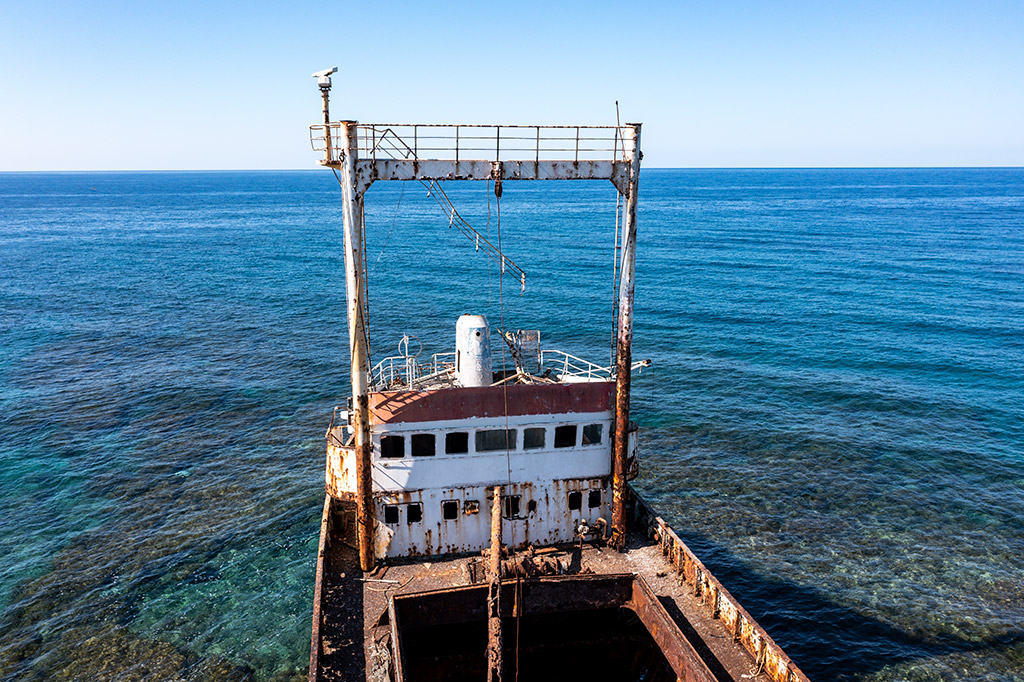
<point x="366" y="285"/>
<point x="504" y="392"/>
<point x="490" y="284"/>
<point x="456" y="220"/>
<point x="615" y="270"/>
<point x="615" y="246"/>
<point x="392" y="145"/>
<point x="394" y="220"/>
<point x="364" y="313"/>
<point x="501" y="307"/>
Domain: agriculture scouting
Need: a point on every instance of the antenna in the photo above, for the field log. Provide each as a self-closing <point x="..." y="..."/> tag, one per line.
<point x="323" y="79"/>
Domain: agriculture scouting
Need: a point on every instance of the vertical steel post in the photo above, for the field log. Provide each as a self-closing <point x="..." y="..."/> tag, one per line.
<point x="624" y="354"/>
<point x="352" y="214"/>
<point x="325" y="92"/>
<point x="495" y="663"/>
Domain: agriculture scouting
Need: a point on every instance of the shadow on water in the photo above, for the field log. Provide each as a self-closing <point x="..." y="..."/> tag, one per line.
<point x="827" y="640"/>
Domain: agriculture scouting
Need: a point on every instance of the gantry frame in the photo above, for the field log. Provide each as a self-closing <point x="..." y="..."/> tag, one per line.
<point x="367" y="153"/>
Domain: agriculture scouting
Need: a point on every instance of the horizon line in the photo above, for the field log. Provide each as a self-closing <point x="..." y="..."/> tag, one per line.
<point x="645" y="168"/>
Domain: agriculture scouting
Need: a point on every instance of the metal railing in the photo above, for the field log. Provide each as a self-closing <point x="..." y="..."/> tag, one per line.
<point x="480" y="142"/>
<point x="400" y="370"/>
<point x="565" y="365"/>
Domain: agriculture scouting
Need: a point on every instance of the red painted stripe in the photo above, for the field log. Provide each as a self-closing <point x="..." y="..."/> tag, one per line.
<point x="490" y="401"/>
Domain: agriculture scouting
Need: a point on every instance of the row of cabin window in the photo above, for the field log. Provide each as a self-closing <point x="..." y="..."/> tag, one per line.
<point x="510" y="510"/>
<point x="494" y="440"/>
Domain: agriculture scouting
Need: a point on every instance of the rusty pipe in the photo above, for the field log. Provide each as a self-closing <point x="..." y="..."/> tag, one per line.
<point x="495" y="664"/>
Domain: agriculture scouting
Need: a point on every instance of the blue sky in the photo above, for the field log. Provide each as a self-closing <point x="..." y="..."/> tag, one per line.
<point x="206" y="85"/>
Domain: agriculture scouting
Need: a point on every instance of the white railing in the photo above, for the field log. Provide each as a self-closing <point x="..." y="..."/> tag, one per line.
<point x="569" y="367"/>
<point x="566" y="365"/>
<point x="401" y="370"/>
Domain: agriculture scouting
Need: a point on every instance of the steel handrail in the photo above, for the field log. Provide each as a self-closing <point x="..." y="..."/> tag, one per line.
<point x="385" y="372"/>
<point x="603" y="142"/>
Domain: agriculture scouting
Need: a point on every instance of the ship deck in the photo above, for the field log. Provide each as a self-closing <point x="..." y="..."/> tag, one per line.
<point x="355" y="635"/>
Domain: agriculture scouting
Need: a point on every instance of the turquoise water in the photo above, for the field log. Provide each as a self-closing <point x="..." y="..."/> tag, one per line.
<point x="833" y="419"/>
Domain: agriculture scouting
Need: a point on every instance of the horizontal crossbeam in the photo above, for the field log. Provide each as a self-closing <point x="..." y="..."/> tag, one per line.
<point x="368" y="171"/>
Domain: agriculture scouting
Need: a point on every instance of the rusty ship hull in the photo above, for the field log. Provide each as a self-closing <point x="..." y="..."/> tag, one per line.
<point x="653" y="611"/>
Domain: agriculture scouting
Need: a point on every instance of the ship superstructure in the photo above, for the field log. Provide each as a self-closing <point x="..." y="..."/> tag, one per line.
<point x="444" y="434"/>
<point x="478" y="522"/>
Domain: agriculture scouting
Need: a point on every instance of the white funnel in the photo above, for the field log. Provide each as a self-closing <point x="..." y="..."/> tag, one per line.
<point x="473" y="351"/>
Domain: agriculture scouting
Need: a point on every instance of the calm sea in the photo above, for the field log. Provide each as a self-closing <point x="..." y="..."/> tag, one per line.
<point x="834" y="418"/>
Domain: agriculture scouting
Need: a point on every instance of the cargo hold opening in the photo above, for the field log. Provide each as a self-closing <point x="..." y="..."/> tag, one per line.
<point x="582" y="628"/>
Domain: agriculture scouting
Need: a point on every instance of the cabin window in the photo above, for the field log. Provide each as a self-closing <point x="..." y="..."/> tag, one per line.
<point x="575" y="500"/>
<point x="414" y="513"/>
<point x="450" y="510"/>
<point x="533" y="439"/>
<point x="500" y="439"/>
<point x="456" y="443"/>
<point x="392" y="447"/>
<point x="531" y="507"/>
<point x="390" y="513"/>
<point x="594" y="499"/>
<point x="511" y="504"/>
<point x="423" y="445"/>
<point x="471" y="507"/>
<point x="565" y="436"/>
<point x="592" y="434"/>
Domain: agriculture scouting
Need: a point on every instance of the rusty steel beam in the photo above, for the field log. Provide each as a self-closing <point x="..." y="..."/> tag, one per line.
<point x="369" y="171"/>
<point x="397" y="651"/>
<point x="321" y="559"/>
<point x="495" y="664"/>
<point x="624" y="351"/>
<point x="352" y="216"/>
<point x="678" y="651"/>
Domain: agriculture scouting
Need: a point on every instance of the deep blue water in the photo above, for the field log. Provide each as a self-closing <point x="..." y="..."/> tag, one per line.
<point x="834" y="419"/>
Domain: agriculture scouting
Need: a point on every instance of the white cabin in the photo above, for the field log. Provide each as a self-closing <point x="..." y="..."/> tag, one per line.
<point x="437" y="451"/>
